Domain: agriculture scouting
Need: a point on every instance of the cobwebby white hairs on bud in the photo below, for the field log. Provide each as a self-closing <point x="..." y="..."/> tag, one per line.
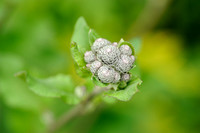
<point x="115" y="44"/>
<point x="125" y="49"/>
<point x="88" y="65"/>
<point x="117" y="77"/>
<point x="108" y="54"/>
<point x="126" y="77"/>
<point x="89" y="57"/>
<point x="124" y="64"/>
<point x="99" y="43"/>
<point x="106" y="74"/>
<point x="95" y="66"/>
<point x="109" y="63"/>
<point x="133" y="58"/>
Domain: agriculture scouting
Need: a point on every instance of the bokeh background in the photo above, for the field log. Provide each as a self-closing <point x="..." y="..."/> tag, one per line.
<point x="35" y="36"/>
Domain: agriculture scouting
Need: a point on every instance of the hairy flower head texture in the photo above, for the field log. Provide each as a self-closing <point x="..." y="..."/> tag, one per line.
<point x="125" y="49"/>
<point x="99" y="43"/>
<point x="108" y="54"/>
<point x="108" y="62"/>
<point x="95" y="66"/>
<point x="89" y="57"/>
<point x="106" y="74"/>
<point x="124" y="64"/>
<point x="117" y="77"/>
<point x="126" y="77"/>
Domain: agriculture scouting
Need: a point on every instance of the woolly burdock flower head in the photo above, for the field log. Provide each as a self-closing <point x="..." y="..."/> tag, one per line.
<point x="126" y="77"/>
<point x="106" y="74"/>
<point x="125" y="63"/>
<point x="108" y="62"/>
<point x="89" y="57"/>
<point x="95" y="66"/>
<point x="125" y="49"/>
<point x="115" y="44"/>
<point x="99" y="43"/>
<point x="108" y="54"/>
<point x="117" y="77"/>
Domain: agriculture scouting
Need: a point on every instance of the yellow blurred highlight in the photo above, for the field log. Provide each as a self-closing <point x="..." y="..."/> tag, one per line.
<point x="162" y="56"/>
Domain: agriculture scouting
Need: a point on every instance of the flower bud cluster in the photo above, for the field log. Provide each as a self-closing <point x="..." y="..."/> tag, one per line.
<point x="108" y="62"/>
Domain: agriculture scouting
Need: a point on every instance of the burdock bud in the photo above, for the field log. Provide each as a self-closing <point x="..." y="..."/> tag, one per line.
<point x="106" y="74"/>
<point x="117" y="77"/>
<point x="99" y="43"/>
<point x="95" y="66"/>
<point x="124" y="64"/>
<point x="133" y="58"/>
<point x="108" y="54"/>
<point x="88" y="65"/>
<point x="114" y="44"/>
<point x="125" y="49"/>
<point x="126" y="77"/>
<point x="89" y="57"/>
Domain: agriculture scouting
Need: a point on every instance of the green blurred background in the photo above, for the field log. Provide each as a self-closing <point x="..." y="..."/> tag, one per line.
<point x="35" y="36"/>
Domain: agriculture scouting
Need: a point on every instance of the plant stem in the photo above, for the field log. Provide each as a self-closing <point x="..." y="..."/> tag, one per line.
<point x="75" y="111"/>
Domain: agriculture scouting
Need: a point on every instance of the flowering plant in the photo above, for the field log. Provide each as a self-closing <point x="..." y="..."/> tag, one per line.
<point x="107" y="68"/>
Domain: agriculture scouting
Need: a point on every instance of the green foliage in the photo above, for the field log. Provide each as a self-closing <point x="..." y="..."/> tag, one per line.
<point x="78" y="57"/>
<point x="60" y="86"/>
<point x="81" y="38"/>
<point x="92" y="36"/>
<point x="80" y="35"/>
<point x="127" y="93"/>
<point x="122" y="85"/>
<point x="82" y="71"/>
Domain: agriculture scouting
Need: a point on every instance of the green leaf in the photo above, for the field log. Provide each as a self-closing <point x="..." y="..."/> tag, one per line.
<point x="109" y="100"/>
<point x="82" y="71"/>
<point x="127" y="93"/>
<point x="77" y="55"/>
<point x="60" y="86"/>
<point x="122" y="42"/>
<point x="80" y="35"/>
<point x="51" y="87"/>
<point x="80" y="64"/>
<point x="79" y="45"/>
<point x="137" y="44"/>
<point x="92" y="36"/>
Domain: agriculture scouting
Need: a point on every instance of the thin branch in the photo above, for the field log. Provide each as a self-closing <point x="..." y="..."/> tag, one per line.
<point x="76" y="111"/>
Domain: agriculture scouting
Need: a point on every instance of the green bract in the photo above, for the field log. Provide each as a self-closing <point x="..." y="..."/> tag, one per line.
<point x="126" y="93"/>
